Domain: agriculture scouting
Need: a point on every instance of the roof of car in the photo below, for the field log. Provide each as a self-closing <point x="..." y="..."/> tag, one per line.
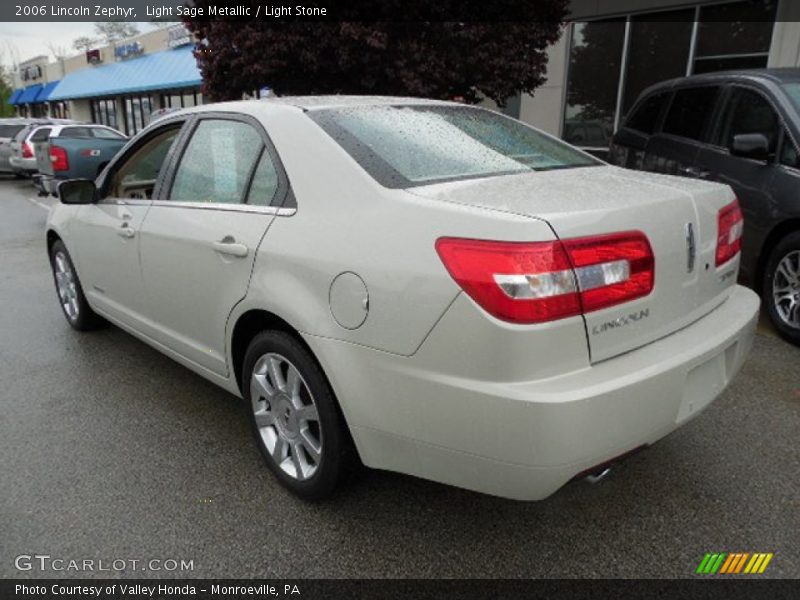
<point x="781" y="75"/>
<point x="335" y="101"/>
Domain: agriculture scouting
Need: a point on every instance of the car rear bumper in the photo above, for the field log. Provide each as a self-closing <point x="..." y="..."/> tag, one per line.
<point x="47" y="183"/>
<point x="23" y="165"/>
<point x="523" y="439"/>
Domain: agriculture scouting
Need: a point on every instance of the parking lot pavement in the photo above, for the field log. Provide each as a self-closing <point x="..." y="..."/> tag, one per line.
<point x="110" y="450"/>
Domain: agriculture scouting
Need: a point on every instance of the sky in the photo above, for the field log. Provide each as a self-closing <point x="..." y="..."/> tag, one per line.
<point x="27" y="40"/>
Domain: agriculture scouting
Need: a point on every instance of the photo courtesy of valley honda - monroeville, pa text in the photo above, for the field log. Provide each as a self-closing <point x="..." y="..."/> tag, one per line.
<point x="418" y="286"/>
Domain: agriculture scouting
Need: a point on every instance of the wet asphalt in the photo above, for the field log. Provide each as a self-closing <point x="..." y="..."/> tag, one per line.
<point x="112" y="451"/>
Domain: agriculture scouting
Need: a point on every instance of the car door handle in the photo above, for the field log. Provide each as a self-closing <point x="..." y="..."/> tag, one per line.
<point x="694" y="172"/>
<point x="231" y="248"/>
<point x="126" y="231"/>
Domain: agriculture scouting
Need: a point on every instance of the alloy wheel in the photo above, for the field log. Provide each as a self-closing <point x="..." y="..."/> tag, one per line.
<point x="286" y="416"/>
<point x="786" y="289"/>
<point x="66" y="286"/>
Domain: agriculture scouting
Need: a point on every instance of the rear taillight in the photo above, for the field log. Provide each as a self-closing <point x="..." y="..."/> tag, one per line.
<point x="27" y="151"/>
<point x="58" y="156"/>
<point x="612" y="269"/>
<point x="542" y="281"/>
<point x="730" y="224"/>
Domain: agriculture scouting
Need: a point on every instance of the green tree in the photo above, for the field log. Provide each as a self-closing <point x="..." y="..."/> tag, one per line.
<point x="468" y="57"/>
<point x="6" y="89"/>
<point x="84" y="43"/>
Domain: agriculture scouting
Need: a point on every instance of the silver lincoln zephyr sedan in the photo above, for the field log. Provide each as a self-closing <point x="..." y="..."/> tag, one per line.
<point x="414" y="285"/>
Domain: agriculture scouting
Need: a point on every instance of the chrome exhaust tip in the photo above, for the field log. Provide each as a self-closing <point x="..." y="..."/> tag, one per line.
<point x="597" y="477"/>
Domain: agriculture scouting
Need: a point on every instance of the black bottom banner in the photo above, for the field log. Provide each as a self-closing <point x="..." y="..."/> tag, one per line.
<point x="412" y="589"/>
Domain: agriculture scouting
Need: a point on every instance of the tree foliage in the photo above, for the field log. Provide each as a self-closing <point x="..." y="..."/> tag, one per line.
<point x="113" y="31"/>
<point x="435" y="59"/>
<point x="6" y="89"/>
<point x="84" y="43"/>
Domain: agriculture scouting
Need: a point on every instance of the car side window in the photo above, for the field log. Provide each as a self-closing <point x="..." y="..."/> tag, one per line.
<point x="265" y="182"/>
<point x="75" y="133"/>
<point x="106" y="134"/>
<point x="41" y="134"/>
<point x="691" y="111"/>
<point x="217" y="163"/>
<point x="750" y="112"/>
<point x="645" y="117"/>
<point x="789" y="155"/>
<point x="136" y="177"/>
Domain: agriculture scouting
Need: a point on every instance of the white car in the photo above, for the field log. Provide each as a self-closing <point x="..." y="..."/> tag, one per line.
<point x="423" y="286"/>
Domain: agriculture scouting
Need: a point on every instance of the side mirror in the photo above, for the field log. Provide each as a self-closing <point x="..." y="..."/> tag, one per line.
<point x="77" y="191"/>
<point x="751" y="145"/>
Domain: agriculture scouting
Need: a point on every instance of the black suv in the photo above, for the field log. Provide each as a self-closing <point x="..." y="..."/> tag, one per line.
<point x="741" y="128"/>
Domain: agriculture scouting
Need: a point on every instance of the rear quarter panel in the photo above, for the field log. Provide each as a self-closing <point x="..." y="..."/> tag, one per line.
<point x="346" y="222"/>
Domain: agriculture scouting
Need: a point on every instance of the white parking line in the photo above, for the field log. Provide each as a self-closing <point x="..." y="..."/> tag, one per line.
<point x="37" y="203"/>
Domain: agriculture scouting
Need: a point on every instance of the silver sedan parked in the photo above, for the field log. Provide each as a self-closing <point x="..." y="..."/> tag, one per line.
<point x="421" y="286"/>
<point x="9" y="128"/>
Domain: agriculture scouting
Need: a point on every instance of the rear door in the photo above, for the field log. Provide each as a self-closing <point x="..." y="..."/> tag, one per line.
<point x="35" y="140"/>
<point x="687" y="124"/>
<point x="200" y="238"/>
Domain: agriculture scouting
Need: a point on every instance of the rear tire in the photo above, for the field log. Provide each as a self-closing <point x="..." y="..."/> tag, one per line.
<point x="295" y="417"/>
<point x="780" y="288"/>
<point x="73" y="303"/>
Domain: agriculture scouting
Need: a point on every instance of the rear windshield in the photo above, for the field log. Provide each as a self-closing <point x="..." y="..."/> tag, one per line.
<point x="403" y="146"/>
<point x="9" y="131"/>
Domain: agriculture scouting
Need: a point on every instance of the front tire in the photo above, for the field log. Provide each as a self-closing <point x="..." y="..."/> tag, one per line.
<point x="781" y="287"/>
<point x="73" y="303"/>
<point x="295" y="418"/>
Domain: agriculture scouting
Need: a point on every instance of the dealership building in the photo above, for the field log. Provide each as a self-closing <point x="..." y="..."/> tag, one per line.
<point x="119" y="85"/>
<point x="610" y="51"/>
<point x="613" y="49"/>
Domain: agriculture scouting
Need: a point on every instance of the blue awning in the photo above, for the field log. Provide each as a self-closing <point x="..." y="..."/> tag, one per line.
<point x="14" y="99"/>
<point x="44" y="95"/>
<point x="166" y="70"/>
<point x="28" y="95"/>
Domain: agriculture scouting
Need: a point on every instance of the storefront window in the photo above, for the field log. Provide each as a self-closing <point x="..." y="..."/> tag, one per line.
<point x="137" y="113"/>
<point x="658" y="49"/>
<point x="734" y="36"/>
<point x="594" y="69"/>
<point x="59" y="110"/>
<point x="104" y="112"/>
<point x="181" y="99"/>
<point x="646" y="48"/>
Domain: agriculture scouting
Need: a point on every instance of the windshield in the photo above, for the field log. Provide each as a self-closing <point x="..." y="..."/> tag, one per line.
<point x="402" y="146"/>
<point x="793" y="91"/>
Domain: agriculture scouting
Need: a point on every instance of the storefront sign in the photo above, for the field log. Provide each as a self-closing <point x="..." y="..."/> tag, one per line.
<point x="94" y="57"/>
<point x="30" y="73"/>
<point x="123" y="51"/>
<point x="178" y="35"/>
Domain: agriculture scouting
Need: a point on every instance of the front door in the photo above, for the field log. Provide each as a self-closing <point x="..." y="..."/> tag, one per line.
<point x="108" y="232"/>
<point x="199" y="242"/>
<point x="746" y="111"/>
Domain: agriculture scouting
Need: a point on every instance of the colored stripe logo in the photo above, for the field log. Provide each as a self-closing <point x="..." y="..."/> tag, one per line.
<point x="734" y="563"/>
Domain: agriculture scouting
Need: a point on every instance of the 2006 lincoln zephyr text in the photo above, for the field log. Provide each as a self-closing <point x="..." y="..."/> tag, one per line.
<point x="426" y="287"/>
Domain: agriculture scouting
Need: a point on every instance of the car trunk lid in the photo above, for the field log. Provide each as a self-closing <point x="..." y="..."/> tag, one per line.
<point x="41" y="150"/>
<point x="678" y="216"/>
